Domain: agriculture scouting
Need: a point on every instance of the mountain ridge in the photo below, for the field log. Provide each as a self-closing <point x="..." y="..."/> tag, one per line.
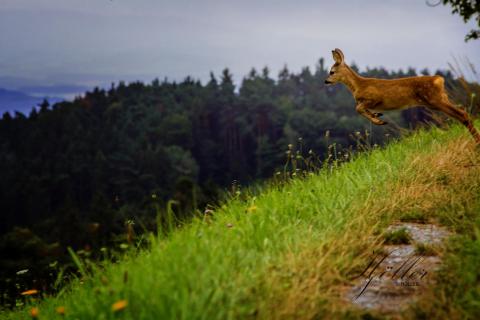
<point x="12" y="101"/>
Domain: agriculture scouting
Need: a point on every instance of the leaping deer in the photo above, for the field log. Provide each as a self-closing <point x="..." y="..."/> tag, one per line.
<point x="373" y="95"/>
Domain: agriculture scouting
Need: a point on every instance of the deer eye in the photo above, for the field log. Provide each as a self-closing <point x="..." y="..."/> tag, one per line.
<point x="331" y="72"/>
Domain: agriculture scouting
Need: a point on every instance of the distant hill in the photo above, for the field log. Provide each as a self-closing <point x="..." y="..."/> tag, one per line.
<point x="11" y="101"/>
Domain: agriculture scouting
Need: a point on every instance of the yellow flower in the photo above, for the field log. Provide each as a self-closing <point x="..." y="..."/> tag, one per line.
<point x="119" y="305"/>
<point x="252" y="208"/>
<point x="29" y="292"/>
<point x="34" y="312"/>
<point x="60" y="310"/>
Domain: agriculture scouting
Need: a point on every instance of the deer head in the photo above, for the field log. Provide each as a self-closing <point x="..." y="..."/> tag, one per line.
<point x="339" y="70"/>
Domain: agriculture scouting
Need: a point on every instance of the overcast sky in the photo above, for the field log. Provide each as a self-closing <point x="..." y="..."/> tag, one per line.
<point x="90" y="42"/>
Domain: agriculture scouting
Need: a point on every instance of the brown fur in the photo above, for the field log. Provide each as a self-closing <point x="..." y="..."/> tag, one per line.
<point x="373" y="94"/>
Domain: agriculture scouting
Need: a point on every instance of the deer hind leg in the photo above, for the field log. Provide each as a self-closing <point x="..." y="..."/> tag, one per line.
<point x="459" y="114"/>
<point x="373" y="117"/>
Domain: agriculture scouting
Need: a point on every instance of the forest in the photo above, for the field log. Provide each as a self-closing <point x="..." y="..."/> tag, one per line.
<point x="94" y="173"/>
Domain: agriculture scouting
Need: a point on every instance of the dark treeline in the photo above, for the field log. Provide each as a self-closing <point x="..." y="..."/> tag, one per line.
<point x="74" y="172"/>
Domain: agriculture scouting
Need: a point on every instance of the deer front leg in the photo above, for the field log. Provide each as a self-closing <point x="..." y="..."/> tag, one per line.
<point x="373" y="117"/>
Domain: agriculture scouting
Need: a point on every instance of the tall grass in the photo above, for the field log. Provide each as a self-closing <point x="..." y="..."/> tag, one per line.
<point x="273" y="255"/>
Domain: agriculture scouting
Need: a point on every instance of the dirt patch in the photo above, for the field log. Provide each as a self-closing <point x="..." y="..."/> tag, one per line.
<point x="397" y="274"/>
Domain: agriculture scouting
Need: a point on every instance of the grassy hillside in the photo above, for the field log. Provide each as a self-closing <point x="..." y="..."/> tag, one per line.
<point x="289" y="251"/>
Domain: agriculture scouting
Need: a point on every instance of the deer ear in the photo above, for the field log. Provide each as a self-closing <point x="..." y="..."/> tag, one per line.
<point x="337" y="55"/>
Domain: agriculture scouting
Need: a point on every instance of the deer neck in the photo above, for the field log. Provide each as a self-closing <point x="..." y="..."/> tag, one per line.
<point x="352" y="80"/>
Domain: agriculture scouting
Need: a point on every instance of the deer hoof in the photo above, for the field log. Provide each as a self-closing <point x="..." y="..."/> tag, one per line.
<point x="379" y="122"/>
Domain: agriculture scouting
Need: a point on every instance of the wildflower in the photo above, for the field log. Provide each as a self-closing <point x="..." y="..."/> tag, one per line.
<point x="252" y="208"/>
<point x="34" y="312"/>
<point x="60" y="310"/>
<point x="29" y="292"/>
<point x="119" y="305"/>
<point x="20" y="272"/>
